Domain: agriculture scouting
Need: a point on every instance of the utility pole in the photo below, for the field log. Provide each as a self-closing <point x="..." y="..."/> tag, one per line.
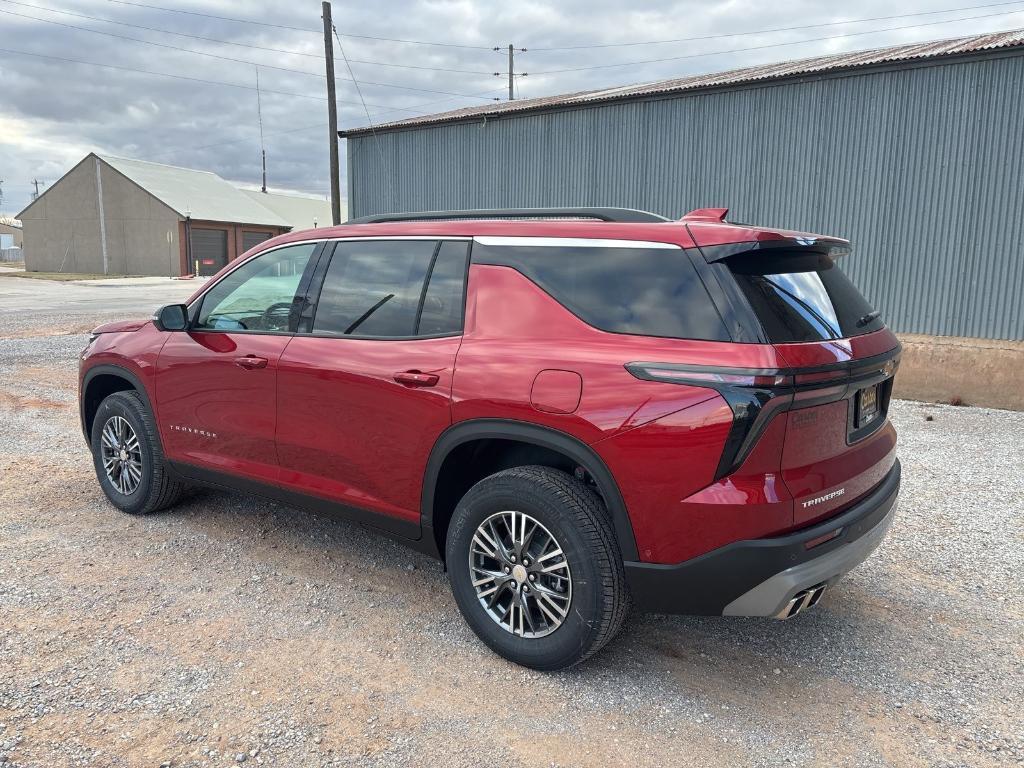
<point x="511" y="70"/>
<point x="332" y="116"/>
<point x="36" y="183"/>
<point x="512" y="74"/>
<point x="1" y="196"/>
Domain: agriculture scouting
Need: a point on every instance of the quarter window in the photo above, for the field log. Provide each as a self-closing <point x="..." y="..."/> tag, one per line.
<point x="379" y="288"/>
<point x="641" y="291"/>
<point x="258" y="296"/>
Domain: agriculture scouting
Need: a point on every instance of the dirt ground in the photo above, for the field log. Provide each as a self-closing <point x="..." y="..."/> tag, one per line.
<point x="233" y="630"/>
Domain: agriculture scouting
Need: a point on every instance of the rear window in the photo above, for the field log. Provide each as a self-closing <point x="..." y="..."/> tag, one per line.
<point x="802" y="297"/>
<point x="642" y="291"/>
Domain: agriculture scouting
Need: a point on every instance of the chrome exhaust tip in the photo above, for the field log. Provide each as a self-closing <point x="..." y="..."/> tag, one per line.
<point x="802" y="600"/>
<point x="816" y="594"/>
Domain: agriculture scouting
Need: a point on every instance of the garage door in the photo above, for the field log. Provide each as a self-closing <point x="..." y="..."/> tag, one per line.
<point x="252" y="239"/>
<point x="210" y="249"/>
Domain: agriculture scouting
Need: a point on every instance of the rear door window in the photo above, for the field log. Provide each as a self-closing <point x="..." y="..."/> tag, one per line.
<point x="393" y="289"/>
<point x="801" y="297"/>
<point x="443" y="300"/>
<point x="646" y="291"/>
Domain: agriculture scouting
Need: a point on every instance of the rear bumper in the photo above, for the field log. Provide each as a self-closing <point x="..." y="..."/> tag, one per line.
<point x="761" y="577"/>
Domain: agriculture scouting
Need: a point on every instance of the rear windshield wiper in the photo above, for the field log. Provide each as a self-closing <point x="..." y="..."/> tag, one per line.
<point x="826" y="326"/>
<point x="868" y="318"/>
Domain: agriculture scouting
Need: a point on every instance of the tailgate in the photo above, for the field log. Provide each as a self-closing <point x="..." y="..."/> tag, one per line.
<point x="839" y="443"/>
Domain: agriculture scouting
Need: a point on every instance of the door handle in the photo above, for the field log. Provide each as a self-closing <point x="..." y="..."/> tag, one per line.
<point x="251" y="362"/>
<point x="416" y="379"/>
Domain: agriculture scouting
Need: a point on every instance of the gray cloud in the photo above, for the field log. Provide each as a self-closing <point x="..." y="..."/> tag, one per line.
<point x="53" y="112"/>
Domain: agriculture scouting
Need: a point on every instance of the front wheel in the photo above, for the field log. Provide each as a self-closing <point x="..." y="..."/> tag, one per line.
<point x="535" y="568"/>
<point x="128" y="457"/>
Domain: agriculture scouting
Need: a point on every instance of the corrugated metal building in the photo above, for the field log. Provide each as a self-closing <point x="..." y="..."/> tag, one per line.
<point x="916" y="153"/>
<point x="113" y="215"/>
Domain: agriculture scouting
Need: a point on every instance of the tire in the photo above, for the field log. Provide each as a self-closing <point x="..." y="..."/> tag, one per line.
<point x="155" y="489"/>
<point x="593" y="599"/>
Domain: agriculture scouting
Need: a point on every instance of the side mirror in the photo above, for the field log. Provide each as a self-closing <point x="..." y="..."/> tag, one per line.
<point x="173" y="317"/>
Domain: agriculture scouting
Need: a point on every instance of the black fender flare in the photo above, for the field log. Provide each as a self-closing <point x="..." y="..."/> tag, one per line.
<point x="525" y="432"/>
<point x="109" y="369"/>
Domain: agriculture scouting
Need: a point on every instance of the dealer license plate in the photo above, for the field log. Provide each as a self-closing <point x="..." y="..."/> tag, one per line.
<point x="867" y="405"/>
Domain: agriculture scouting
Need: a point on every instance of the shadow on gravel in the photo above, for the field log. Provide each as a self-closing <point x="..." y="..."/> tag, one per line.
<point x="849" y="647"/>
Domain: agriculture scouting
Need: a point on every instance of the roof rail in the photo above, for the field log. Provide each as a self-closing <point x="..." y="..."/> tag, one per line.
<point x="620" y="215"/>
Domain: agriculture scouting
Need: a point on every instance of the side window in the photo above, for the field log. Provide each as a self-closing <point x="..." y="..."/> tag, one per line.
<point x="641" y="291"/>
<point x="443" y="300"/>
<point x="259" y="295"/>
<point x="379" y="288"/>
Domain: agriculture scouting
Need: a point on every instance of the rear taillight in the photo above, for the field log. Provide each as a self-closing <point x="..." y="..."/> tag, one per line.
<point x="704" y="376"/>
<point x="755" y="395"/>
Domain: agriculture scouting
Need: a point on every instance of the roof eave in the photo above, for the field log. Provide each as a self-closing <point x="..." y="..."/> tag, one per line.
<point x="554" y="106"/>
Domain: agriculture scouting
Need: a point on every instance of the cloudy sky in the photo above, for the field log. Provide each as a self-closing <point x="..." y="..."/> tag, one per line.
<point x="197" y="107"/>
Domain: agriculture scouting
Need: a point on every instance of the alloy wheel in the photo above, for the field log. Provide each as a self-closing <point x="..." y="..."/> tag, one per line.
<point x="520" y="574"/>
<point x="121" y="455"/>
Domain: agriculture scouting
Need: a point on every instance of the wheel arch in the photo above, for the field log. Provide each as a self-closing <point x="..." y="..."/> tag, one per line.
<point x="527" y="434"/>
<point x="101" y="381"/>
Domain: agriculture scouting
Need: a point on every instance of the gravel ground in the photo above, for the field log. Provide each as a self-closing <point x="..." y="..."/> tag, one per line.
<point x="232" y="630"/>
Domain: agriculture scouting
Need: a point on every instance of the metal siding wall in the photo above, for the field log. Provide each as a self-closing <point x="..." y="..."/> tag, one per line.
<point x="920" y="167"/>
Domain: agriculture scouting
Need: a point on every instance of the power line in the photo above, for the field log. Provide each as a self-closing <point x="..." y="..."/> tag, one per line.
<point x="166" y="31"/>
<point x="413" y="88"/>
<point x="160" y="45"/>
<point x="369" y="120"/>
<point x="318" y="126"/>
<point x="416" y="66"/>
<point x="348" y="66"/>
<point x="298" y="29"/>
<point x="420" y="42"/>
<point x="213" y="16"/>
<point x="416" y="107"/>
<point x="185" y="77"/>
<point x="763" y="47"/>
<point x="161" y="153"/>
<point x="219" y="56"/>
<point x="768" y="31"/>
<point x="533" y="50"/>
<point x="227" y="58"/>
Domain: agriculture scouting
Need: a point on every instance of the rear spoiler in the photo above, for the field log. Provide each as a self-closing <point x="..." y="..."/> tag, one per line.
<point x="719" y="239"/>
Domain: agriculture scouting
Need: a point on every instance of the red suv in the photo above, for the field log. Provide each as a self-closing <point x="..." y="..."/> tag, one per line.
<point x="577" y="410"/>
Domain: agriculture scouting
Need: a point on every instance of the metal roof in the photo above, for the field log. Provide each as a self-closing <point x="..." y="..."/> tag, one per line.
<point x="764" y="72"/>
<point x="301" y="211"/>
<point x="200" y="194"/>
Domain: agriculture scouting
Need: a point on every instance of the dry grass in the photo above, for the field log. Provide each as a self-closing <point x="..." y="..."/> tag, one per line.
<point x="61" y="276"/>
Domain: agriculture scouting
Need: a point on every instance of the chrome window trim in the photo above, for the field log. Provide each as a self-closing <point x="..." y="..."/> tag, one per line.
<point x="570" y="242"/>
<point x="316" y="240"/>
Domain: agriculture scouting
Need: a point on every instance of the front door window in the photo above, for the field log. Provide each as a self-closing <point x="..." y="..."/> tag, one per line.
<point x="259" y="296"/>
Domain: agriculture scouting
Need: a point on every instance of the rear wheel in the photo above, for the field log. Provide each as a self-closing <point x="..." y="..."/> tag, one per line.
<point x="128" y="458"/>
<point x="535" y="568"/>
